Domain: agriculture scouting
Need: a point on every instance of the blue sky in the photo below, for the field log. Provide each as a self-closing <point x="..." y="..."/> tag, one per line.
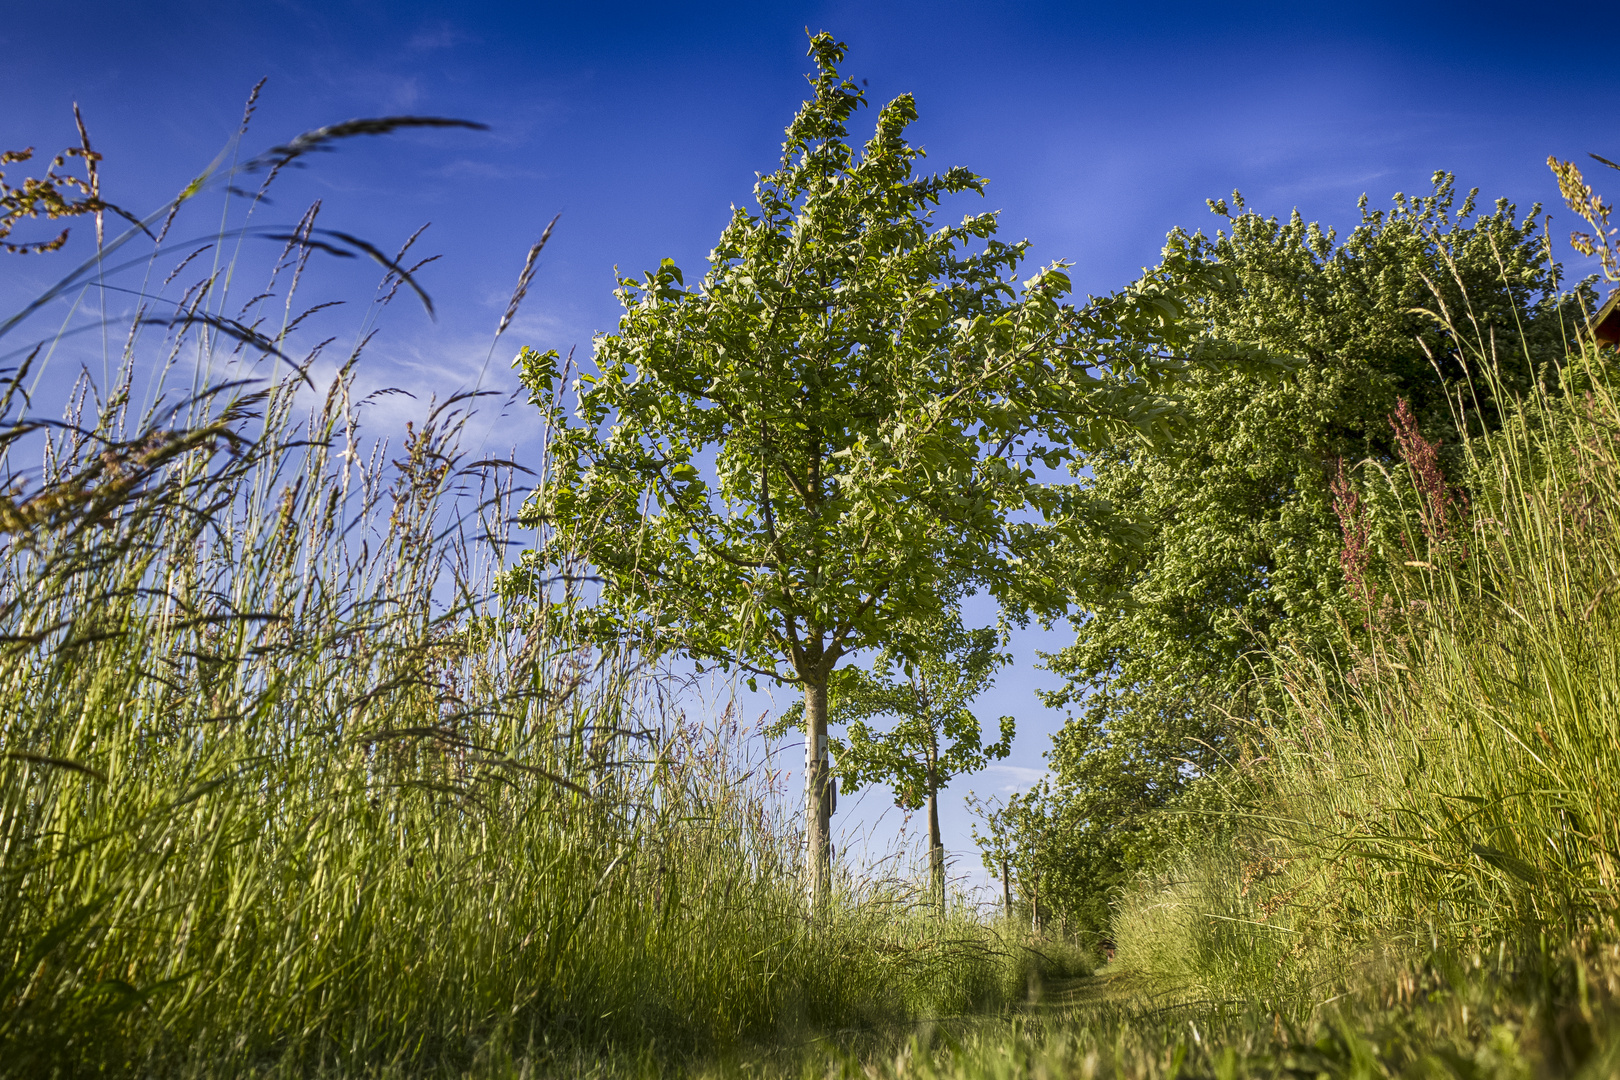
<point x="1100" y="127"/>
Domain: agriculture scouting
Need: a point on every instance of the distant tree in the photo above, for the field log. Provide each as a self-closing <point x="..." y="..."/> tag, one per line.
<point x="934" y="736"/>
<point x="828" y="438"/>
<point x="1050" y="859"/>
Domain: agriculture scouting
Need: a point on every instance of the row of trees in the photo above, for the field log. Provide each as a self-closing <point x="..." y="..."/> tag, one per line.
<point x="1243" y="533"/>
<point x="860" y="415"/>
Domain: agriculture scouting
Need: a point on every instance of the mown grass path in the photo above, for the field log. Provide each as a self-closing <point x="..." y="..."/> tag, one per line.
<point x="1112" y="990"/>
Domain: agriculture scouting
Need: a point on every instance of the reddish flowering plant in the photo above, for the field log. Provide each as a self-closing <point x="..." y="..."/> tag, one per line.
<point x="1356" y="555"/>
<point x="1441" y="507"/>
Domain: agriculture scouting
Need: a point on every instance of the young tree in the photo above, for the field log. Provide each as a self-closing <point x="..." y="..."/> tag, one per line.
<point x="1017" y="845"/>
<point x="935" y="735"/>
<point x="818" y="445"/>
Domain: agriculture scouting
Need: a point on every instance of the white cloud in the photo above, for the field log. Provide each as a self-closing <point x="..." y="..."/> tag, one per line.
<point x="437" y="35"/>
<point x="1016" y="777"/>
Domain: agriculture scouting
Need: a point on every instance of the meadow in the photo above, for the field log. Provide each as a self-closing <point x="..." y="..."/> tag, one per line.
<point x="291" y="786"/>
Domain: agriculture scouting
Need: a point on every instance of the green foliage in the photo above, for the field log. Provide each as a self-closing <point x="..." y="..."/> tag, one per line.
<point x="1022" y="838"/>
<point x="1438" y="782"/>
<point x="1450" y="768"/>
<point x="288" y="788"/>
<point x="823" y="441"/>
<point x="935" y="736"/>
<point x="1242" y="544"/>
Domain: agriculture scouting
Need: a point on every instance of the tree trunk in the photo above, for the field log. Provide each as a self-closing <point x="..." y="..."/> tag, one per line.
<point x="817" y="797"/>
<point x="1035" y="903"/>
<point x="936" y="847"/>
<point x="1006" y="890"/>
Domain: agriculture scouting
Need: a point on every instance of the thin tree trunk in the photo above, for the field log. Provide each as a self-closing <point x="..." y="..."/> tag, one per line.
<point x="936" y="847"/>
<point x="817" y="797"/>
<point x="1006" y="890"/>
<point x="936" y="850"/>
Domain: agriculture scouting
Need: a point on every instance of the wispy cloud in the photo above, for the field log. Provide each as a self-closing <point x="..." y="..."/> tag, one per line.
<point x="1017" y="777"/>
<point x="437" y="35"/>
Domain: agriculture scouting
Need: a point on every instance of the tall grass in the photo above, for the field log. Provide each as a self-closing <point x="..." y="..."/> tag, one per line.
<point x="1464" y="759"/>
<point x="285" y="784"/>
